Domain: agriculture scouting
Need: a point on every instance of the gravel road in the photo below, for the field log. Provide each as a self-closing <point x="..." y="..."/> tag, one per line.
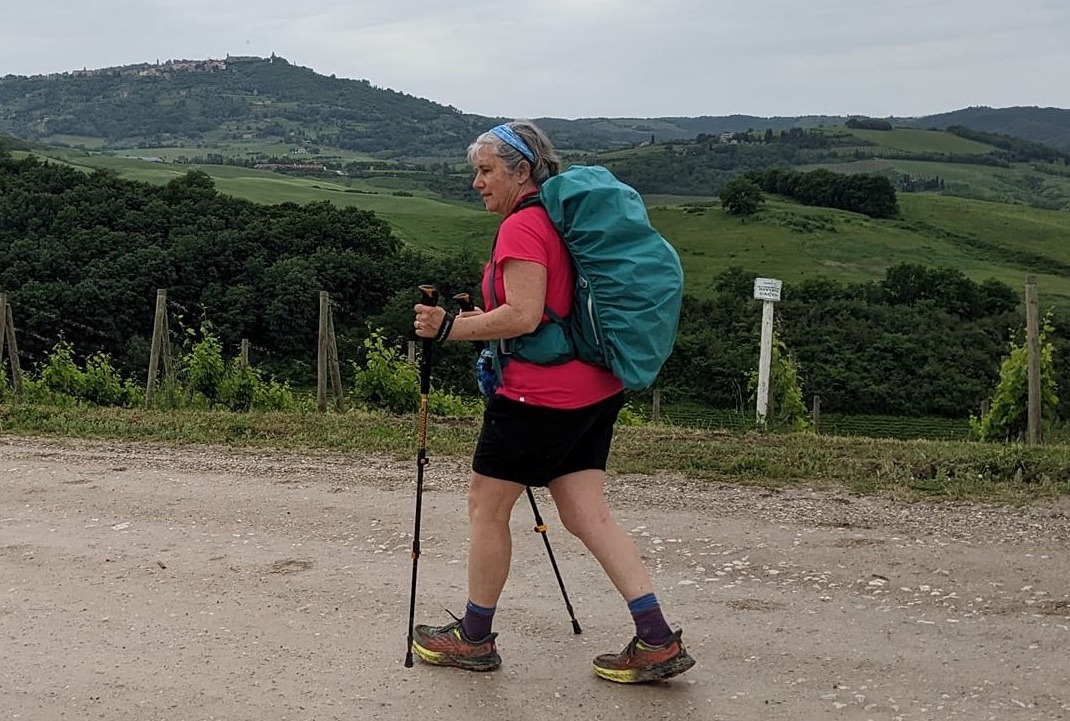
<point x="194" y="583"/>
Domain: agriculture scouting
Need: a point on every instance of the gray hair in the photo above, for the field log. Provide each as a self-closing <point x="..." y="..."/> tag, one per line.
<point x="546" y="163"/>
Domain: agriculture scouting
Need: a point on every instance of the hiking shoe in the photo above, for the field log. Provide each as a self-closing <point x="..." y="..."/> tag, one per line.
<point x="640" y="663"/>
<point x="448" y="646"/>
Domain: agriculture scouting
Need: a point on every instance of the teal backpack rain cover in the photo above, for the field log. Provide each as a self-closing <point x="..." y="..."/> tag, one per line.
<point x="629" y="283"/>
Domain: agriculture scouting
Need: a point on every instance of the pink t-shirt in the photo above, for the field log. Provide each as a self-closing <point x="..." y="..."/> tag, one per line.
<point x="529" y="235"/>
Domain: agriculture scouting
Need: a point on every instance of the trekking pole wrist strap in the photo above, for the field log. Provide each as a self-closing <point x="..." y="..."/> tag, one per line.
<point x="445" y="328"/>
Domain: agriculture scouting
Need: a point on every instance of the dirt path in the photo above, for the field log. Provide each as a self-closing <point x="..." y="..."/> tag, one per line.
<point x="153" y="582"/>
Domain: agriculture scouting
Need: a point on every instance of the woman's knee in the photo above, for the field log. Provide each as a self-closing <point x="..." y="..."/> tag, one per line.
<point x="585" y="522"/>
<point x="490" y="501"/>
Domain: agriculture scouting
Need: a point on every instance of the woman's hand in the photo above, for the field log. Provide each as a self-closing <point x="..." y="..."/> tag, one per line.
<point x="428" y="320"/>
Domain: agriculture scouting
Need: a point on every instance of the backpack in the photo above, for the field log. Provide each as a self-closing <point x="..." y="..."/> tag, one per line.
<point x="629" y="282"/>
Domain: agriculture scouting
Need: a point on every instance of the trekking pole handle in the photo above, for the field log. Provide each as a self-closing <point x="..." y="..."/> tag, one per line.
<point x="464" y="302"/>
<point x="428" y="296"/>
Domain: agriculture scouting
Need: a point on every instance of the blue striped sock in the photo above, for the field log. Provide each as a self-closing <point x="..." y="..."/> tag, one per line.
<point x="477" y="621"/>
<point x="650" y="625"/>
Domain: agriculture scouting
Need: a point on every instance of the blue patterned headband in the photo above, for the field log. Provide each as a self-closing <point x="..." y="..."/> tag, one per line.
<point x="510" y="138"/>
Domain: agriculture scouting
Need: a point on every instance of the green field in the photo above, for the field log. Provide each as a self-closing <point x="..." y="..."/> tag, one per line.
<point x="785" y="240"/>
<point x="793" y="242"/>
<point x="907" y="140"/>
<point x="1019" y="184"/>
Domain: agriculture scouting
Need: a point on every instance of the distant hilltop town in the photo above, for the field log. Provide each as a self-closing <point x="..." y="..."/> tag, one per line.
<point x="168" y="67"/>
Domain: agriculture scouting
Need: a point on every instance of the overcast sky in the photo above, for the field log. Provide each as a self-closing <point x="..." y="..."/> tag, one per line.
<point x="588" y="58"/>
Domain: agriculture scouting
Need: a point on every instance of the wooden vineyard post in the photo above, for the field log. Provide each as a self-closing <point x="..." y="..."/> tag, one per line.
<point x="1032" y="330"/>
<point x="321" y="354"/>
<point x="160" y="349"/>
<point x="332" y="361"/>
<point x="7" y="333"/>
<point x="3" y="329"/>
<point x="327" y="368"/>
<point x="244" y="354"/>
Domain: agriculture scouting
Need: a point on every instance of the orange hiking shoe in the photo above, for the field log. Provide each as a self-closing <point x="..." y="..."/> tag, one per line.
<point x="448" y="646"/>
<point x="640" y="663"/>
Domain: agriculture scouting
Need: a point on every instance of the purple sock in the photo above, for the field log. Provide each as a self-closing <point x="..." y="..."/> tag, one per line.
<point x="477" y="622"/>
<point x="650" y="625"/>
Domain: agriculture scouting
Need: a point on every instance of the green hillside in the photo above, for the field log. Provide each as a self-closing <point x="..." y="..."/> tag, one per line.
<point x="1010" y="171"/>
<point x="1041" y="125"/>
<point x="425" y="221"/>
<point x="992" y="218"/>
<point x="793" y="242"/>
<point x="245" y="105"/>
<point x="920" y="141"/>
<point x="785" y="240"/>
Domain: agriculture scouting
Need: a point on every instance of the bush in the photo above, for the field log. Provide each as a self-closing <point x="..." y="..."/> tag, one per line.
<point x="1007" y="418"/>
<point x="61" y="374"/>
<point x="63" y="382"/>
<point x="786" y="409"/>
<point x="204" y="367"/>
<point x="630" y="416"/>
<point x="244" y="389"/>
<point x="103" y="386"/>
<point x="388" y="381"/>
<point x="205" y="378"/>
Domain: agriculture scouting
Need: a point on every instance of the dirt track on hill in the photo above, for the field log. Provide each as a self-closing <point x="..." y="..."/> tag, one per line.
<point x="158" y="582"/>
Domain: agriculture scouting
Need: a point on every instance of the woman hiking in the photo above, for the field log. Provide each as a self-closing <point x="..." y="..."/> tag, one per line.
<point x="544" y="425"/>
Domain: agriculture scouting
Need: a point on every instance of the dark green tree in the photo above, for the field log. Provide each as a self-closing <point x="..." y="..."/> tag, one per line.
<point x="741" y="197"/>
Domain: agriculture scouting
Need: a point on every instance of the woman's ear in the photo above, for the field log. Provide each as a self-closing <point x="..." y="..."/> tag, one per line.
<point x="523" y="172"/>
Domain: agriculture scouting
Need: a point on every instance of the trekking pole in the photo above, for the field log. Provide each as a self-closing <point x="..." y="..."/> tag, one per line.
<point x="540" y="528"/>
<point x="464" y="301"/>
<point x="428" y="296"/>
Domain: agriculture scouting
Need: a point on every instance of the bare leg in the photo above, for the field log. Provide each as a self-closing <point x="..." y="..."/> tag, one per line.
<point x="581" y="503"/>
<point x="490" y="504"/>
<point x="656" y="653"/>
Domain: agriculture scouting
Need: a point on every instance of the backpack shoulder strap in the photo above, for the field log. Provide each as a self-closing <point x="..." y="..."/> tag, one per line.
<point x="502" y="347"/>
<point x="527" y="202"/>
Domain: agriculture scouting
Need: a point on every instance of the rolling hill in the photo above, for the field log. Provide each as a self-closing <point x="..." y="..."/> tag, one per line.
<point x="1041" y="125"/>
<point x="243" y="107"/>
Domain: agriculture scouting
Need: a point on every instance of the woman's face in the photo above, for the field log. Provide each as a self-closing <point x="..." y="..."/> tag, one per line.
<point x="498" y="186"/>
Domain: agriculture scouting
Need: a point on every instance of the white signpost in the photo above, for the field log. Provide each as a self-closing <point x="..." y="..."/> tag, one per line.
<point x="766" y="290"/>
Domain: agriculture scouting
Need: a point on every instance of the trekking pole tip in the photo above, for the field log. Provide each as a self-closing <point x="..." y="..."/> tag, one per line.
<point x="576" y="627"/>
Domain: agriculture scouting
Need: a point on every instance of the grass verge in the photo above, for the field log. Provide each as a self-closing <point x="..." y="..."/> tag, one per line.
<point x="906" y="470"/>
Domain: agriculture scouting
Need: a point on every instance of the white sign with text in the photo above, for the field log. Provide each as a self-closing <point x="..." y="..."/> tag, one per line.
<point x="767" y="289"/>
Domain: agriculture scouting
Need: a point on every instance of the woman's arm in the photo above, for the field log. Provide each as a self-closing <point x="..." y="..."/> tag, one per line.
<point x="525" y="291"/>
